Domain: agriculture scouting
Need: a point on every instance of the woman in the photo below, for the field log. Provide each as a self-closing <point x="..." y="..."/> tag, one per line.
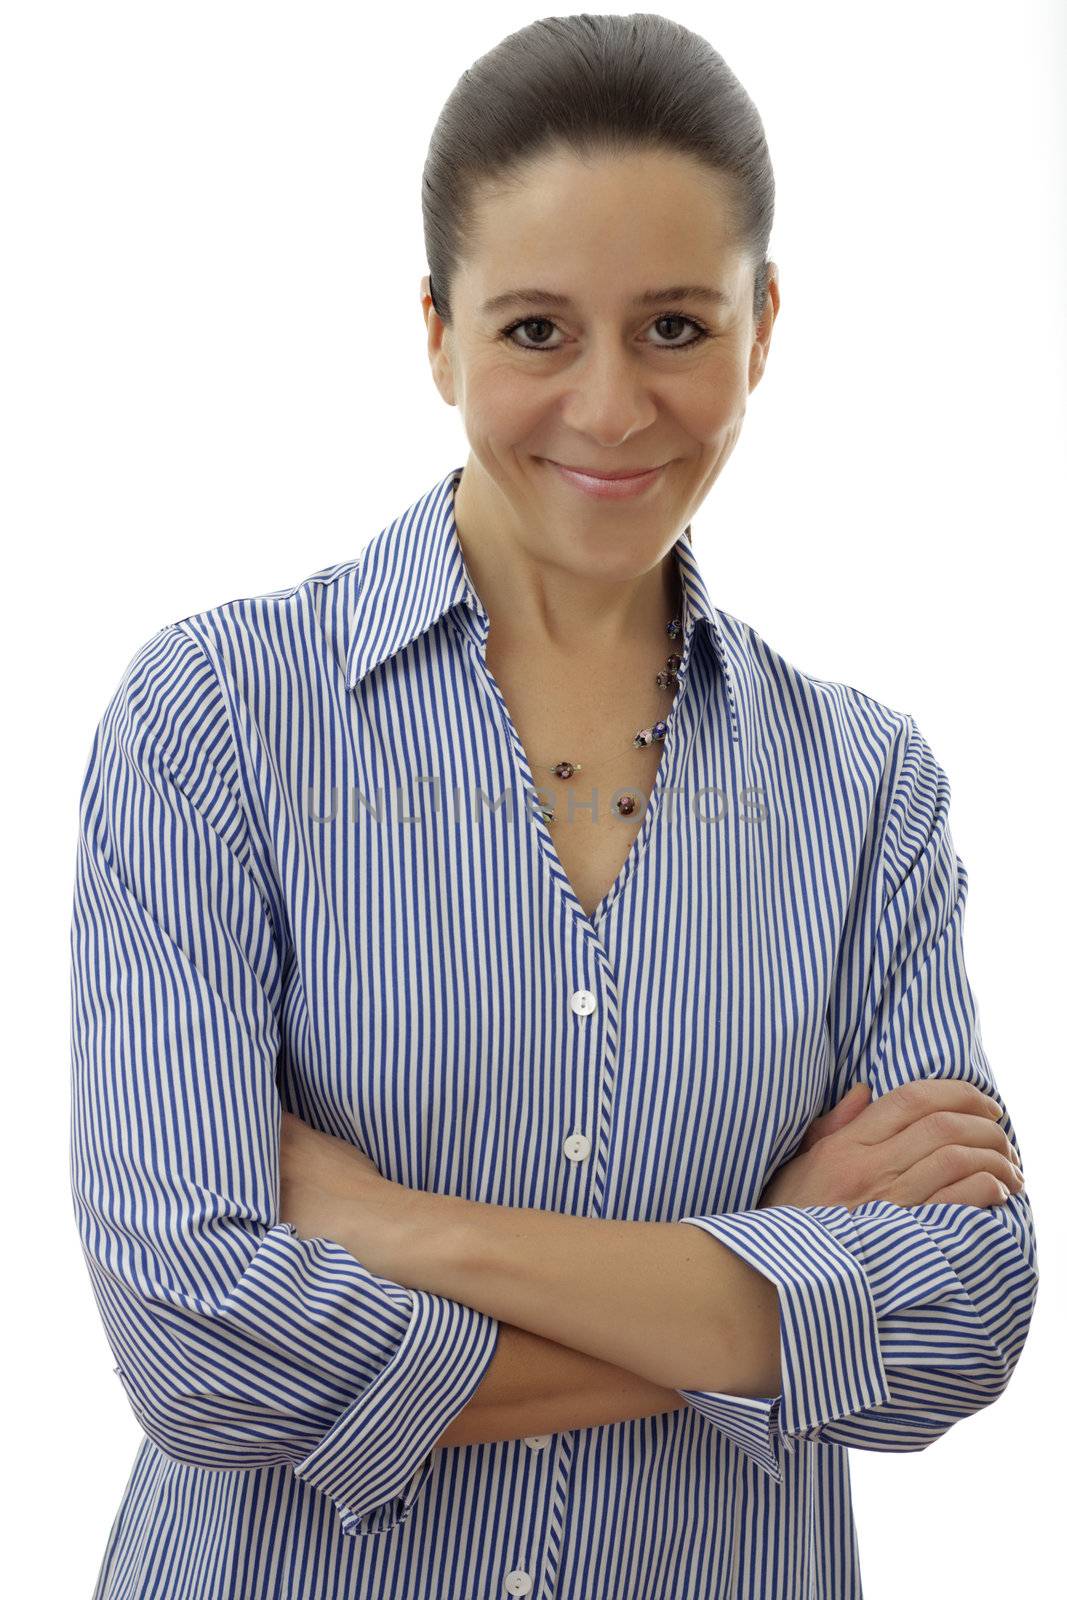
<point x="529" y="1105"/>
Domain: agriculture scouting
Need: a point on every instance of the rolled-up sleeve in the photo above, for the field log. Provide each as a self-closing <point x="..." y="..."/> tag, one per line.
<point x="894" y="1321"/>
<point x="239" y="1344"/>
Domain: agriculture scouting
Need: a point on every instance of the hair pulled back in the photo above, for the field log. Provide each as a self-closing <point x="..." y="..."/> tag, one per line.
<point x="593" y="86"/>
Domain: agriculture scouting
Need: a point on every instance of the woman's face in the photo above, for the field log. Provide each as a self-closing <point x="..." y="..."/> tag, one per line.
<point x="608" y="381"/>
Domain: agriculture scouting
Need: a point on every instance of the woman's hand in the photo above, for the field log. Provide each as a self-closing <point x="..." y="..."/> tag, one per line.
<point x="328" y="1189"/>
<point x="934" y="1140"/>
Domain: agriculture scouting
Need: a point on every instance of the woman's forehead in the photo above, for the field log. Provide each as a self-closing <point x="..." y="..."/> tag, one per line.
<point x="569" y="219"/>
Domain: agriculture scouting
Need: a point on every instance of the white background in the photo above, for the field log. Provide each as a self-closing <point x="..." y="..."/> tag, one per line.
<point x="214" y="382"/>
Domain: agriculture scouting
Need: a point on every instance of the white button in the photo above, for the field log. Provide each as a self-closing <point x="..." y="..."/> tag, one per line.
<point x="576" y="1147"/>
<point x="518" y="1582"/>
<point x="537" y="1441"/>
<point x="582" y="1002"/>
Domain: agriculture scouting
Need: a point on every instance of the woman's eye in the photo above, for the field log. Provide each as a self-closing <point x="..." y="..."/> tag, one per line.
<point x="675" y="317"/>
<point x="530" y="322"/>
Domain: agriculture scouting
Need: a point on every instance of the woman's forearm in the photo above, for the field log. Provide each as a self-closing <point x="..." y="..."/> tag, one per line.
<point x="534" y="1386"/>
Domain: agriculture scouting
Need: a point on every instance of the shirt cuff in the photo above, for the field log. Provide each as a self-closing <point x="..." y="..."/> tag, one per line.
<point x="376" y="1460"/>
<point x="828" y="1329"/>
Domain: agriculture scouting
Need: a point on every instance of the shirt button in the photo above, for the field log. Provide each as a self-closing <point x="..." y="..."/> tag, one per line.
<point x="518" y="1582"/>
<point x="582" y="1002"/>
<point x="576" y="1147"/>
<point x="537" y="1441"/>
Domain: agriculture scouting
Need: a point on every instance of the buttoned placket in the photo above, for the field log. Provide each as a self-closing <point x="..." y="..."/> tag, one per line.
<point x="594" y="1011"/>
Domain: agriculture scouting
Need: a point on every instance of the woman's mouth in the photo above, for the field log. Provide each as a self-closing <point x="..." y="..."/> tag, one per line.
<point x="620" y="486"/>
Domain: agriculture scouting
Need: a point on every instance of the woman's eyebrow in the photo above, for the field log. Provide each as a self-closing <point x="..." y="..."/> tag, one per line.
<point x="650" y="297"/>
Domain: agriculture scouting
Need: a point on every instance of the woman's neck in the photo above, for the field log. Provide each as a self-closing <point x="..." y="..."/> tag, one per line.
<point x="537" y="606"/>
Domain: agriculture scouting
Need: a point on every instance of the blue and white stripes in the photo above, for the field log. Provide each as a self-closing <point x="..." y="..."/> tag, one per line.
<point x="310" y="876"/>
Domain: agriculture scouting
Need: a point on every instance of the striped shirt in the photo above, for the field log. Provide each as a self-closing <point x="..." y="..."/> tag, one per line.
<point x="312" y="874"/>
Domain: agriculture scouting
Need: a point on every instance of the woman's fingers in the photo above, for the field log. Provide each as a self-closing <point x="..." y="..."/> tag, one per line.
<point x="910" y="1102"/>
<point x="943" y="1130"/>
<point x="977" y="1169"/>
<point x="980" y="1190"/>
<point x="936" y="1136"/>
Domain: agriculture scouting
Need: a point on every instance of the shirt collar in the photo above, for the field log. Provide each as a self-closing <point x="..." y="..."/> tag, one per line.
<point x="413" y="572"/>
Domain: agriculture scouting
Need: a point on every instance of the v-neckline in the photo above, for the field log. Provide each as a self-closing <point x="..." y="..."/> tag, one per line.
<point x="638" y="844"/>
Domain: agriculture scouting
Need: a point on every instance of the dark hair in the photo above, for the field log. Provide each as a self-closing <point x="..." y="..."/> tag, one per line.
<point x="592" y="84"/>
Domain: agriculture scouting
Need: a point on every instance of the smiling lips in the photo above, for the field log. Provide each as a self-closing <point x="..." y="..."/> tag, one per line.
<point x="591" y="472"/>
<point x="608" y="486"/>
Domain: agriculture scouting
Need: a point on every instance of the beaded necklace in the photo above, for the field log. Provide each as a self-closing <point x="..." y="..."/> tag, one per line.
<point x="626" y="804"/>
